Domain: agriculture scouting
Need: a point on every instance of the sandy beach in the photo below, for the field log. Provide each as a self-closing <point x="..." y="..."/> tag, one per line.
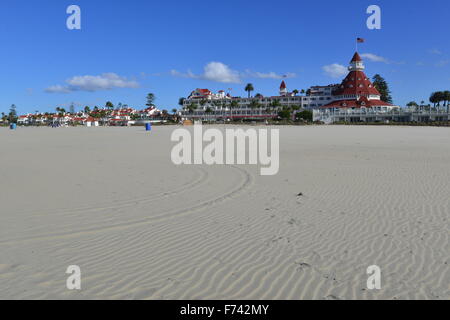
<point x="111" y="201"/>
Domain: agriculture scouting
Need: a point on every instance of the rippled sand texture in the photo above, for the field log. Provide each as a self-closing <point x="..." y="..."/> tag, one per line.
<point x="110" y="201"/>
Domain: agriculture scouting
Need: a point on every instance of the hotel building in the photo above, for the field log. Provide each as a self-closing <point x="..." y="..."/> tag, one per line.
<point x="356" y="99"/>
<point x="337" y="102"/>
<point x="202" y="104"/>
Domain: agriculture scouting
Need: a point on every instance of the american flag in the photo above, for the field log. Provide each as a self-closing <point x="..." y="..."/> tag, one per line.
<point x="360" y="40"/>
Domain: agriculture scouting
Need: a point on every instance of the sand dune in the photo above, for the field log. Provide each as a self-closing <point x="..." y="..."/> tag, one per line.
<point x="110" y="201"/>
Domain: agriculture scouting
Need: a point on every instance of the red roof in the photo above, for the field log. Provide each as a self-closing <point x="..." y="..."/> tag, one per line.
<point x="283" y="85"/>
<point x="356" y="82"/>
<point x="356" y="57"/>
<point x="363" y="102"/>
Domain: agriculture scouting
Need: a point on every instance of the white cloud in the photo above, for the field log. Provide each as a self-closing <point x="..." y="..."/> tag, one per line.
<point x="213" y="71"/>
<point x="269" y="75"/>
<point x="335" y="70"/>
<point x="374" y="58"/>
<point x="435" y="51"/>
<point x="58" y="89"/>
<point x="220" y="72"/>
<point x="188" y="74"/>
<point x="442" y="63"/>
<point x="105" y="81"/>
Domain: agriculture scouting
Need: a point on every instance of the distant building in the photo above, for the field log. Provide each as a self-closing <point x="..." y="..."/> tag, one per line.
<point x="355" y="95"/>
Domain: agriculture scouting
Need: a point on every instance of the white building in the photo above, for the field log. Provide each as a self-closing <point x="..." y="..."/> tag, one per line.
<point x="355" y="100"/>
<point x="206" y="105"/>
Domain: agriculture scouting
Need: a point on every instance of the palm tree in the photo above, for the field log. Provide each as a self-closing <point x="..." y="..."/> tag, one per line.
<point x="4" y="117"/>
<point x="447" y="98"/>
<point x="233" y="105"/>
<point x="273" y="106"/>
<point x="255" y="105"/>
<point x="109" y="105"/>
<point x="87" y="109"/>
<point x="192" y="107"/>
<point x="249" y="88"/>
<point x="434" y="99"/>
<point x="412" y="104"/>
<point x="150" y="100"/>
<point x="440" y="97"/>
<point x="285" y="113"/>
<point x="295" y="92"/>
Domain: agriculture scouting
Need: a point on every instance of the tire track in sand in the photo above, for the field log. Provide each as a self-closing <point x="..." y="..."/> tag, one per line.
<point x="246" y="181"/>
<point x="136" y="201"/>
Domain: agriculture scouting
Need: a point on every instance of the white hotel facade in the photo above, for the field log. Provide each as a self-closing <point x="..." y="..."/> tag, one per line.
<point x="209" y="105"/>
<point x="355" y="95"/>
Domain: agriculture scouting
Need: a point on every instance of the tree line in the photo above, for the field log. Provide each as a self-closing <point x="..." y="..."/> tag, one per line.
<point x="436" y="98"/>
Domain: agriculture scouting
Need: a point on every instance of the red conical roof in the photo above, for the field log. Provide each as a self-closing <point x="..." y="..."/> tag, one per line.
<point x="358" y="83"/>
<point x="283" y="85"/>
<point x="356" y="57"/>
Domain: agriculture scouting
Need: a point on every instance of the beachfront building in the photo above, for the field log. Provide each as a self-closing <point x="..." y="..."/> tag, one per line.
<point x="355" y="100"/>
<point x="24" y="119"/>
<point x="203" y="104"/>
<point x="119" y="117"/>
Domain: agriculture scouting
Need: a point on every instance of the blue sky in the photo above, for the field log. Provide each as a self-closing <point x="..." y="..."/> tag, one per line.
<point x="127" y="49"/>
